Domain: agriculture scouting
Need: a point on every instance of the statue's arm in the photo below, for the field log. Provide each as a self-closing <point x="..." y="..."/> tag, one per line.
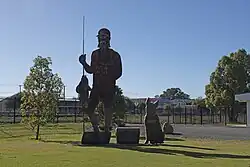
<point x="118" y="67"/>
<point x="89" y="68"/>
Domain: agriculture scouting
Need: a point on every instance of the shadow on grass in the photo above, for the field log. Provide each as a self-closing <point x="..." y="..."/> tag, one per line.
<point x="149" y="149"/>
<point x="74" y="143"/>
<point x="183" y="146"/>
<point x="166" y="138"/>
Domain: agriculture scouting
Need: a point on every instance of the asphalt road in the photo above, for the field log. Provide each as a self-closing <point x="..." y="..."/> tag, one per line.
<point x="207" y="131"/>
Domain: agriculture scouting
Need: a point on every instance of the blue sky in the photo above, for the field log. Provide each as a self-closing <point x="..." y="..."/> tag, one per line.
<point x="163" y="43"/>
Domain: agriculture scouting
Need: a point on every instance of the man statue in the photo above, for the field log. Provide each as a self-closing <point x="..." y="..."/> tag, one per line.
<point x="106" y="67"/>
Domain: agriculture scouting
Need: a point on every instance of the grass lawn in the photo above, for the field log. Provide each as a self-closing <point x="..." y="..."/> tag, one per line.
<point x="59" y="146"/>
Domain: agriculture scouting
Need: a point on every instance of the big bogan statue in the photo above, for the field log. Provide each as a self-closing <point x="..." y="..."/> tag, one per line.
<point x="106" y="67"/>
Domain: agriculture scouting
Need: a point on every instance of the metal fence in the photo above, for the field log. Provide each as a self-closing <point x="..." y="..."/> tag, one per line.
<point x="189" y="118"/>
<point x="192" y="115"/>
<point x="69" y="110"/>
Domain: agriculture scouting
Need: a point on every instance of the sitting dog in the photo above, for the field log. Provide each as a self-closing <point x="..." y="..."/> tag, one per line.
<point x="154" y="133"/>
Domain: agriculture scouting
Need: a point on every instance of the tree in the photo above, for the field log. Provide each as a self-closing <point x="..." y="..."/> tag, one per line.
<point x="121" y="104"/>
<point x="130" y="105"/>
<point x="141" y="107"/>
<point x="174" y="93"/>
<point x="200" y="102"/>
<point x="42" y="89"/>
<point x="230" y="77"/>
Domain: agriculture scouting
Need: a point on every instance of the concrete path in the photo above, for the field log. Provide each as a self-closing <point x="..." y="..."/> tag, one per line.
<point x="208" y="131"/>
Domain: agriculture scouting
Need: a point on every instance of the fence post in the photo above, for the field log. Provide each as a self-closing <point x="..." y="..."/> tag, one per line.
<point x="191" y="115"/>
<point x="57" y="117"/>
<point x="141" y="113"/>
<point x="220" y="116"/>
<point x="75" y="109"/>
<point x="173" y="115"/>
<point x="245" y="117"/>
<point x="14" y="109"/>
<point x="168" y="115"/>
<point x="185" y="115"/>
<point x="201" y="115"/>
<point x="180" y="110"/>
<point x="125" y="118"/>
<point x="225" y="115"/>
<point x="212" y="115"/>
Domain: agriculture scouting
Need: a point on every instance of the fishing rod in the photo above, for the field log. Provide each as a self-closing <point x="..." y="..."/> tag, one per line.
<point x="83" y="29"/>
<point x="83" y="73"/>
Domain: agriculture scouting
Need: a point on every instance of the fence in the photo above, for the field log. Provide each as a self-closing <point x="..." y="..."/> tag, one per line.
<point x="69" y="110"/>
<point x="187" y="115"/>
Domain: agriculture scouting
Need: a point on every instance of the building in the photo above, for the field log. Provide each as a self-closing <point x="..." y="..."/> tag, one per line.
<point x="69" y="106"/>
<point x="66" y="105"/>
<point x="163" y="102"/>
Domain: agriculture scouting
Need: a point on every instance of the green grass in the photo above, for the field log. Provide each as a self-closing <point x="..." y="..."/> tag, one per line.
<point x="59" y="146"/>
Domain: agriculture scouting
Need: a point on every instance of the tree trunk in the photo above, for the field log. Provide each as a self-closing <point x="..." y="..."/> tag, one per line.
<point x="37" y="131"/>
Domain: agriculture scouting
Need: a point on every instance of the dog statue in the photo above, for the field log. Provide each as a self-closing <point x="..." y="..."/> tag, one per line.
<point x="154" y="133"/>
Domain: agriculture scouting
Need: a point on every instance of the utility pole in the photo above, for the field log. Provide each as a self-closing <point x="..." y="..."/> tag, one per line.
<point x="20" y="88"/>
<point x="64" y="92"/>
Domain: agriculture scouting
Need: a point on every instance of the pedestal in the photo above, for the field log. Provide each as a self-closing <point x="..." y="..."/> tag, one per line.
<point x="128" y="135"/>
<point x="92" y="138"/>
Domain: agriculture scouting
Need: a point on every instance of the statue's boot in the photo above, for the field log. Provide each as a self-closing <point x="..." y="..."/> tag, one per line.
<point x="94" y="122"/>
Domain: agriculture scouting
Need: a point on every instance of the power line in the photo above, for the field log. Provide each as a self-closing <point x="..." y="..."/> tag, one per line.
<point x="5" y="84"/>
<point x="7" y="92"/>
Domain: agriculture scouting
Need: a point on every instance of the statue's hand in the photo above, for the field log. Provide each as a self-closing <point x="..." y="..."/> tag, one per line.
<point x="82" y="59"/>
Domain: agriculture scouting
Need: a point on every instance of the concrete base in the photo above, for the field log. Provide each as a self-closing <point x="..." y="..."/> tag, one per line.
<point x="92" y="138"/>
<point x="127" y="135"/>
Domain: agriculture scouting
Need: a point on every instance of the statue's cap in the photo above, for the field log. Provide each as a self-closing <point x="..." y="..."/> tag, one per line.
<point x="104" y="31"/>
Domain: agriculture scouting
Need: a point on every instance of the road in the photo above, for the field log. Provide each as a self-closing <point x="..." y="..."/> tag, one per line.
<point x="208" y="131"/>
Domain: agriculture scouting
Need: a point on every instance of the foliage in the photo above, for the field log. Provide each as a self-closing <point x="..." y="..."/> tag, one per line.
<point x="121" y="104"/>
<point x="174" y="93"/>
<point x="129" y="104"/>
<point x="40" y="95"/>
<point x="142" y="107"/>
<point x="200" y="102"/>
<point x="230" y="77"/>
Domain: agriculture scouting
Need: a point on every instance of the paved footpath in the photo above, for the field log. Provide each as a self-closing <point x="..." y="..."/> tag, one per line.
<point x="207" y="131"/>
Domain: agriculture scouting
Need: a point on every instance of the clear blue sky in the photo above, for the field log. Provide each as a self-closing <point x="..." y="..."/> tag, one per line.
<point x="162" y="43"/>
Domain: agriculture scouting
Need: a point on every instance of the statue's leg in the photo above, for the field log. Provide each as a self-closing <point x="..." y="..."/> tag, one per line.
<point x="93" y="102"/>
<point x="108" y="101"/>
